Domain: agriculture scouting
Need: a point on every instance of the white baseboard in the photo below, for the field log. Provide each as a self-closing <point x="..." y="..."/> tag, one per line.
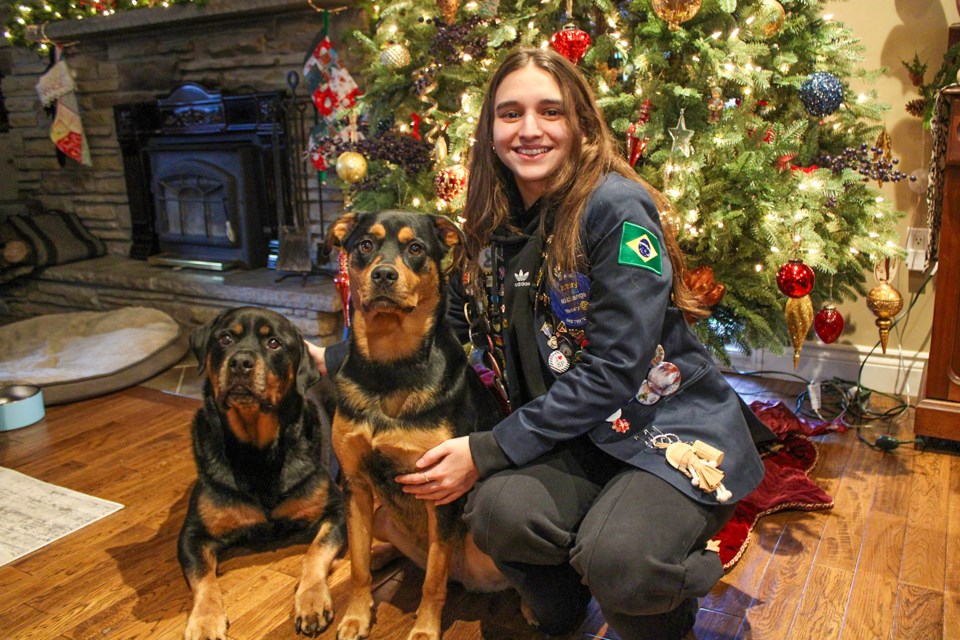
<point x="897" y="371"/>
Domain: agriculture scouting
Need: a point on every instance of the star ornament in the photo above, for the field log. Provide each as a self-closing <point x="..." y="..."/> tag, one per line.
<point x="681" y="137"/>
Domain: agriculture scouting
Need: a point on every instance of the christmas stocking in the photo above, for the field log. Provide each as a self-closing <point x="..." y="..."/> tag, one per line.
<point x="332" y="88"/>
<point x="67" y="129"/>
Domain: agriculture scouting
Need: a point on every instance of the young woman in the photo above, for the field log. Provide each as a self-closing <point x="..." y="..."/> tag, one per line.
<point x="576" y="287"/>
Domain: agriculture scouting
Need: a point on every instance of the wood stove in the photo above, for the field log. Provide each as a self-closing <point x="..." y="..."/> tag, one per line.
<point x="205" y="174"/>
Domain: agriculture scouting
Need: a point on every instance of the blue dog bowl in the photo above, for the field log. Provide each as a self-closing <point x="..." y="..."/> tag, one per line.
<point x="20" y="405"/>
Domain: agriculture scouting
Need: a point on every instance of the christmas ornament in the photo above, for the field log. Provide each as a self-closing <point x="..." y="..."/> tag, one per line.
<point x="448" y="9"/>
<point x="795" y="279"/>
<point x="882" y="149"/>
<point x="681" y="137"/>
<point x="867" y="161"/>
<point x="884" y="301"/>
<point x="636" y="145"/>
<point x="351" y="167"/>
<point x="644" y="116"/>
<point x="821" y="93"/>
<point x="66" y="132"/>
<point x="828" y="324"/>
<point x="450" y="181"/>
<point x="765" y="21"/>
<point x="570" y="42"/>
<point x="395" y="56"/>
<point x="676" y="11"/>
<point x="704" y="288"/>
<point x="341" y="281"/>
<point x="919" y="180"/>
<point x="799" y="315"/>
<point x="715" y="106"/>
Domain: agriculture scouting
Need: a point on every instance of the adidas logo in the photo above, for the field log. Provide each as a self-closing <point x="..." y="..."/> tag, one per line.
<point x="521" y="277"/>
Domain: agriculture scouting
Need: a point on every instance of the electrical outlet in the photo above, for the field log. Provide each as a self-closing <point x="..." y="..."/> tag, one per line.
<point x="918" y="239"/>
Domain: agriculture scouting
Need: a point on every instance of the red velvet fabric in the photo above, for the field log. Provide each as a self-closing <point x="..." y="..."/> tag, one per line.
<point x="785" y="484"/>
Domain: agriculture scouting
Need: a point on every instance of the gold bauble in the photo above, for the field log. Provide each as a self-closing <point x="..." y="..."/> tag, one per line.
<point x="799" y="314"/>
<point x="676" y="11"/>
<point x="885" y="302"/>
<point x="351" y="167"/>
<point x="395" y="56"/>
<point x="767" y="20"/>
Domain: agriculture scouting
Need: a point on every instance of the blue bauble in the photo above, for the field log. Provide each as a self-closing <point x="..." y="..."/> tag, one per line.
<point x="821" y="93"/>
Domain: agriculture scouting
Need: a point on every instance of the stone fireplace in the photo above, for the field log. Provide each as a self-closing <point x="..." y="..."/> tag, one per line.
<point x="148" y="194"/>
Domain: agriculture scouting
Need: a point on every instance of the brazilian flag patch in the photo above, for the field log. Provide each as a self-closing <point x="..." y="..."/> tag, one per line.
<point x="639" y="247"/>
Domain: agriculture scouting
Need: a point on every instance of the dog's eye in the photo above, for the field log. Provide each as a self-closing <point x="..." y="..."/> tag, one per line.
<point x="274" y="344"/>
<point x="415" y="248"/>
<point x="365" y="246"/>
<point x="226" y="340"/>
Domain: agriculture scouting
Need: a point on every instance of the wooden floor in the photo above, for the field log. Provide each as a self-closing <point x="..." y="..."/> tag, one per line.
<point x="884" y="563"/>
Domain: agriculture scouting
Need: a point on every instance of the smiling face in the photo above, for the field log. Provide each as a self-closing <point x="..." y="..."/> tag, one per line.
<point x="531" y="134"/>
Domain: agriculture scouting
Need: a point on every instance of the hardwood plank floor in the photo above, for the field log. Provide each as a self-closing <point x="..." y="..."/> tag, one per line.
<point x="884" y="563"/>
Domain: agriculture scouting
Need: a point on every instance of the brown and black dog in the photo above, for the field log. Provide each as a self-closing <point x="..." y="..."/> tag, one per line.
<point x="404" y="387"/>
<point x="263" y="458"/>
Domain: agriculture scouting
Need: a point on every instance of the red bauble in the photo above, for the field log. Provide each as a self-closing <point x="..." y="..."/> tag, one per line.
<point x="795" y="279"/>
<point x="828" y="324"/>
<point x="450" y="181"/>
<point x="571" y="42"/>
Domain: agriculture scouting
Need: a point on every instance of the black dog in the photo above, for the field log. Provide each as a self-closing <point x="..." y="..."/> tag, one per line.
<point x="404" y="387"/>
<point x="263" y="452"/>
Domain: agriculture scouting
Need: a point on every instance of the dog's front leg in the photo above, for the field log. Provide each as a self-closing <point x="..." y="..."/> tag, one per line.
<point x="313" y="605"/>
<point x="434" y="593"/>
<point x="359" y="612"/>
<point x="198" y="559"/>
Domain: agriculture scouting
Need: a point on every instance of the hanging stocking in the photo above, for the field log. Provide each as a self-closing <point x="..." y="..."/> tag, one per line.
<point x="67" y="129"/>
<point x="332" y="88"/>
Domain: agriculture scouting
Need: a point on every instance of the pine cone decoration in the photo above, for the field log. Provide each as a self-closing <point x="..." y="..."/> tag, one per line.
<point x="916" y="107"/>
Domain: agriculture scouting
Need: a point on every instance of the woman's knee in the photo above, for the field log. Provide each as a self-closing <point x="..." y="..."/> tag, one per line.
<point x="506" y="527"/>
<point x="636" y="582"/>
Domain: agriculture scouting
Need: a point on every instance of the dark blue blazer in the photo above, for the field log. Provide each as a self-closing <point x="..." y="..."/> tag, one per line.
<point x="629" y="314"/>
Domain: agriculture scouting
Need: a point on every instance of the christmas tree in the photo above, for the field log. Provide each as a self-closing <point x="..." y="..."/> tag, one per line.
<point x="739" y="110"/>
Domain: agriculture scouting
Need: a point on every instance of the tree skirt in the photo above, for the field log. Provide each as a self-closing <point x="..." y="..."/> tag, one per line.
<point x="74" y="356"/>
<point x="785" y="484"/>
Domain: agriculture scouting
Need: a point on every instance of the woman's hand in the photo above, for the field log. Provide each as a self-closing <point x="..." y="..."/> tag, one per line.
<point x="446" y="472"/>
<point x="316" y="353"/>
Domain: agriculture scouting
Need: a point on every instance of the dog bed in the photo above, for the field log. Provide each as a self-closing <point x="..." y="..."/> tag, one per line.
<point x="74" y="356"/>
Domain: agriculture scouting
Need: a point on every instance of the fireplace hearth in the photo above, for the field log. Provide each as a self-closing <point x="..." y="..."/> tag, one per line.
<point x="205" y="174"/>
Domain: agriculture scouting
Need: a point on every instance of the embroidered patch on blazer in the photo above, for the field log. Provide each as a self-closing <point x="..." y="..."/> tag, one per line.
<point x="639" y="247"/>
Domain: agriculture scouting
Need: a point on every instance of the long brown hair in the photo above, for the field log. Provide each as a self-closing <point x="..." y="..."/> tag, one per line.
<point x="593" y="154"/>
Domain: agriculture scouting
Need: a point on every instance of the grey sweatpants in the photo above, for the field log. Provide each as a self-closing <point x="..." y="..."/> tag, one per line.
<point x="577" y="522"/>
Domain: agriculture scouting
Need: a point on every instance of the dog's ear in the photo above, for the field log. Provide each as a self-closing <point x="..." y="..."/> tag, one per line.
<point x="307" y="373"/>
<point x="341" y="230"/>
<point x="200" y="338"/>
<point x="451" y="239"/>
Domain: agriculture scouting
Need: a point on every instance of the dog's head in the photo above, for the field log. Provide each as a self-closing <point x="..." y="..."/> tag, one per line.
<point x="253" y="358"/>
<point x="395" y="259"/>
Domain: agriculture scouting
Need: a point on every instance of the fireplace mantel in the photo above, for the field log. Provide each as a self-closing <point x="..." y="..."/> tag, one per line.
<point x="160" y="18"/>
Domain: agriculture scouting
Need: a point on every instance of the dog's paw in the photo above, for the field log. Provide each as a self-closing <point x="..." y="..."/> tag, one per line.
<point x="210" y="625"/>
<point x="357" y="619"/>
<point x="313" y="610"/>
<point x="424" y="634"/>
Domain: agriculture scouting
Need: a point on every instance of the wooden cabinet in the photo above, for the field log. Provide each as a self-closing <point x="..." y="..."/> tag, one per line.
<point x="938" y="411"/>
